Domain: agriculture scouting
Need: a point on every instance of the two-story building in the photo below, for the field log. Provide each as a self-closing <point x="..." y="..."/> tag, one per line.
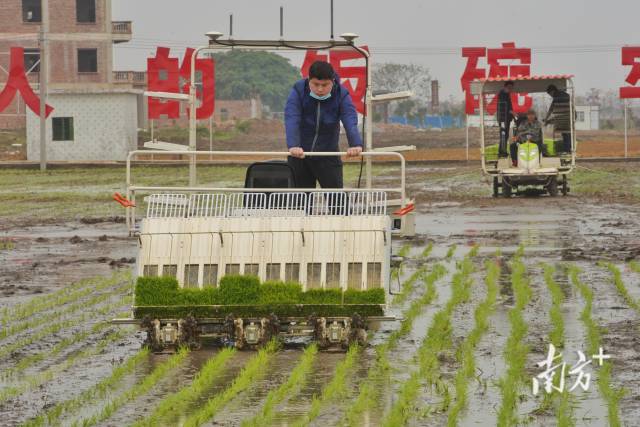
<point x="82" y="85"/>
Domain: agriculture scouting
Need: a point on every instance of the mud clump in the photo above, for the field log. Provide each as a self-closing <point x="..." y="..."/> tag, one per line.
<point x="122" y="261"/>
<point x="103" y="238"/>
<point x="97" y="220"/>
<point x="42" y="240"/>
<point x="76" y="240"/>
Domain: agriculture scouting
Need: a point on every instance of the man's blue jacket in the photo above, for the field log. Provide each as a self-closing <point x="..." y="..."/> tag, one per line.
<point x="315" y="125"/>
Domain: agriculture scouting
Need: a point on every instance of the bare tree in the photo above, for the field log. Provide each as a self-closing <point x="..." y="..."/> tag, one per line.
<point x="393" y="77"/>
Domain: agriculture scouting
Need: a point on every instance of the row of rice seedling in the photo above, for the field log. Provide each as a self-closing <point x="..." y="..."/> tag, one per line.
<point x="407" y="286"/>
<point x="290" y="387"/>
<point x="516" y="350"/>
<point x="253" y="370"/>
<point x="142" y="387"/>
<point x="634" y="266"/>
<point x="97" y="392"/>
<point x="33" y="381"/>
<point x="438" y="339"/>
<point x="67" y="342"/>
<point x="179" y="401"/>
<point x="56" y="327"/>
<point x="465" y="352"/>
<point x="64" y="296"/>
<point x="451" y="252"/>
<point x="34" y="322"/>
<point x="336" y="388"/>
<point x="621" y="287"/>
<point x="594" y="339"/>
<point x="565" y="416"/>
<point x="369" y="391"/>
<point x="426" y="251"/>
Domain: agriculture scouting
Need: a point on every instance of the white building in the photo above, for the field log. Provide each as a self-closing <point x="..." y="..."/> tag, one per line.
<point x="587" y="117"/>
<point x="88" y="125"/>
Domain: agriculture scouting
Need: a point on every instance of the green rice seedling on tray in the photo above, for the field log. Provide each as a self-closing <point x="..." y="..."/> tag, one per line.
<point x="245" y="296"/>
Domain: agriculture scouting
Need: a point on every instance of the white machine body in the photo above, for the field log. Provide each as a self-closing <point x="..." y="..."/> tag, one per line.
<point x="320" y="239"/>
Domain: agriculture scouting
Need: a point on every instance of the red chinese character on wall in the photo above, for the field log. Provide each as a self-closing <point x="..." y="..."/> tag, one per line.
<point x="18" y="83"/>
<point x="347" y="73"/>
<point x="631" y="57"/>
<point x="165" y="75"/>
<point x="501" y="64"/>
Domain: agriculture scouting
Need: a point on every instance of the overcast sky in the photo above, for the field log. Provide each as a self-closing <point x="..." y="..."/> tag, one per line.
<point x="429" y="33"/>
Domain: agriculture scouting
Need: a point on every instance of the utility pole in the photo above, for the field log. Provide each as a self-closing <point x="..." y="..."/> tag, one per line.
<point x="626" y="128"/>
<point x="44" y="74"/>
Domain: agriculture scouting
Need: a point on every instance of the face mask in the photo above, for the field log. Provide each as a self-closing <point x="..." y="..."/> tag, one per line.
<point x="319" y="98"/>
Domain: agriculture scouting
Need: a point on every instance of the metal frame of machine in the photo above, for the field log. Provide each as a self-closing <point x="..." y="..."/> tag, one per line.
<point x="508" y="178"/>
<point x="351" y="226"/>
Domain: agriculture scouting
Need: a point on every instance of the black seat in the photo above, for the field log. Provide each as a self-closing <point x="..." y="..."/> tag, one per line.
<point x="270" y="174"/>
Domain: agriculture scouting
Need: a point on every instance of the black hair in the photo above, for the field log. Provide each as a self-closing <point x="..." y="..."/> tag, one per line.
<point x="552" y="88"/>
<point x="509" y="83"/>
<point x="321" y="70"/>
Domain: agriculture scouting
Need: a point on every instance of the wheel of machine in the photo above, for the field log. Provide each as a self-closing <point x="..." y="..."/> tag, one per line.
<point x="552" y="187"/>
<point x="506" y="188"/>
<point x="565" y="185"/>
<point x="496" y="187"/>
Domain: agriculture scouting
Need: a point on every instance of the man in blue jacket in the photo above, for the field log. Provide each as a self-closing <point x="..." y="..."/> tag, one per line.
<point x="312" y="117"/>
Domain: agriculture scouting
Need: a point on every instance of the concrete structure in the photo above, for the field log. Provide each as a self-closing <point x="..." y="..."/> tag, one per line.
<point x="80" y="41"/>
<point x="87" y="125"/>
<point x="587" y="117"/>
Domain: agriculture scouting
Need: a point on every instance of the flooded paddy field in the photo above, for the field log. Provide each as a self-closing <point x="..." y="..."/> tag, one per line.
<point x="484" y="288"/>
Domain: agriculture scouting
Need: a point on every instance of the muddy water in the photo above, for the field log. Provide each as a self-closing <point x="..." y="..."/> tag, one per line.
<point x="553" y="230"/>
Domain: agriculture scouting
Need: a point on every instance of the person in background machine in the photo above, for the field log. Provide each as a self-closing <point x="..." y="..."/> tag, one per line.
<point x="312" y="117"/>
<point x="529" y="130"/>
<point x="505" y="116"/>
<point x="558" y="115"/>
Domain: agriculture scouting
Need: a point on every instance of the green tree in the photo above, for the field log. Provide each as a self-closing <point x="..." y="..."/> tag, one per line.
<point x="242" y="74"/>
<point x="392" y="77"/>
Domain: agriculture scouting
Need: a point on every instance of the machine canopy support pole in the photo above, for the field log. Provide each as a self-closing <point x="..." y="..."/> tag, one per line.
<point x="44" y="64"/>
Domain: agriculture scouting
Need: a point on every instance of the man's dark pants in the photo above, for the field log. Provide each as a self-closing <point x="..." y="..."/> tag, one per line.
<point x="504" y="138"/>
<point x="566" y="142"/>
<point x="325" y="170"/>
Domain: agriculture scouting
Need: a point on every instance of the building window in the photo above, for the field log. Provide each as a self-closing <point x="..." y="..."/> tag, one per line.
<point x="32" y="10"/>
<point x="354" y="276"/>
<point x="580" y="116"/>
<point x="231" y="269"/>
<point x="32" y="60"/>
<point x="170" y="270"/>
<point x="86" y="11"/>
<point x="313" y="275"/>
<point x="87" y="60"/>
<point x="292" y="272"/>
<point x="374" y="275"/>
<point x="62" y="128"/>
<point x="333" y="275"/>
<point x="191" y="275"/>
<point x="252" y="269"/>
<point x="210" y="275"/>
<point x="273" y="271"/>
<point x="150" y="270"/>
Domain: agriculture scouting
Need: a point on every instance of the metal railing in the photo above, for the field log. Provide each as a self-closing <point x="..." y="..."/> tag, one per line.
<point x="239" y="201"/>
<point x="221" y="205"/>
<point x="121" y="27"/>
<point x="138" y="77"/>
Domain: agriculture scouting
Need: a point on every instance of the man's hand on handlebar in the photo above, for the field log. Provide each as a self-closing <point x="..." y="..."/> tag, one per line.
<point x="354" y="151"/>
<point x="297" y="152"/>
